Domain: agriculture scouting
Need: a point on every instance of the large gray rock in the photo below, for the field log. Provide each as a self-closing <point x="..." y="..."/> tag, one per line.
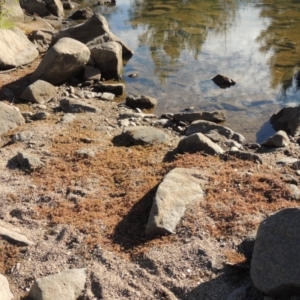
<point x="287" y="119"/>
<point x="214" y="116"/>
<point x="275" y="261"/>
<point x="66" y="285"/>
<point x="205" y="126"/>
<point x="70" y="105"/>
<point x="92" y="32"/>
<point x="199" y="143"/>
<point x="179" y="189"/>
<point x="12" y="11"/>
<point x="143" y="135"/>
<point x="15" y="49"/>
<point x="43" y="7"/>
<point x="279" y="139"/>
<point x="141" y="101"/>
<point x="5" y="293"/>
<point x="108" y="59"/>
<point x="39" y="92"/>
<point x="10" y="118"/>
<point x="63" y="61"/>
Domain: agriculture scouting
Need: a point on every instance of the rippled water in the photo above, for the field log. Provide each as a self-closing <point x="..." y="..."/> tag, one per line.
<point x="180" y="45"/>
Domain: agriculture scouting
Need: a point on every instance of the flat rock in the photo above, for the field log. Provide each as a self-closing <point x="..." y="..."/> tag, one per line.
<point x="172" y="199"/>
<point x="107" y="96"/>
<point x="275" y="262"/>
<point x="143" y="135"/>
<point x="15" y="49"/>
<point x="205" y="126"/>
<point x="70" y="105"/>
<point x="115" y="88"/>
<point x="10" y="118"/>
<point x="5" y="293"/>
<point x="66" y="285"/>
<point x="279" y="139"/>
<point x="141" y="101"/>
<point x="29" y="162"/>
<point x="198" y="143"/>
<point x="14" y="237"/>
<point x="66" y="59"/>
<point x="39" y="92"/>
<point x="214" y="116"/>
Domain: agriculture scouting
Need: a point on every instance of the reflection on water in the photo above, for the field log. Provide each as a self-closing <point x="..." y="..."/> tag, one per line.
<point x="180" y="45"/>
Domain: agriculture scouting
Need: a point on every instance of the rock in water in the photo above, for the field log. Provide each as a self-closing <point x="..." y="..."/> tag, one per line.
<point x="275" y="261"/>
<point x="179" y="189"/>
<point x="66" y="59"/>
<point x="223" y="82"/>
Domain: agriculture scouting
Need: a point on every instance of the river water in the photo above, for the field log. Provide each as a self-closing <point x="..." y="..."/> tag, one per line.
<point x="180" y="45"/>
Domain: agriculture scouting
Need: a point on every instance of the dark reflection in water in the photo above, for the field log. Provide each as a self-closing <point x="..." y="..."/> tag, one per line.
<point x="180" y="45"/>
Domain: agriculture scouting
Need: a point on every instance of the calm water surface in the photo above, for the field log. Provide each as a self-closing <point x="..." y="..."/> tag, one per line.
<point x="180" y="45"/>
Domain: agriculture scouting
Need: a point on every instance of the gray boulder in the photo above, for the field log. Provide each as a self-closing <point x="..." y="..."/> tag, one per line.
<point x="108" y="59"/>
<point x="63" y="61"/>
<point x="70" y="105"/>
<point x="198" y="143"/>
<point x="205" y="126"/>
<point x="214" y="116"/>
<point x="143" y="135"/>
<point x="66" y="285"/>
<point x="94" y="31"/>
<point x="279" y="139"/>
<point x="15" y="49"/>
<point x="275" y="261"/>
<point x="287" y="119"/>
<point x="43" y="7"/>
<point x="29" y="162"/>
<point x="39" y="92"/>
<point x="141" y="101"/>
<point x="5" y="293"/>
<point x="179" y="189"/>
<point x="10" y="118"/>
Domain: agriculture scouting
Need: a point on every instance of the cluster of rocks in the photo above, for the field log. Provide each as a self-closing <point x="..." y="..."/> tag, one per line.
<point x="85" y="55"/>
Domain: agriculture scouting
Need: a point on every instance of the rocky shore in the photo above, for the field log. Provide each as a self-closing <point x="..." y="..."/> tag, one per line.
<point x="103" y="199"/>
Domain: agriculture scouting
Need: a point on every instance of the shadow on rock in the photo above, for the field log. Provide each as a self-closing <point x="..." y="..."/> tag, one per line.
<point x="265" y="131"/>
<point x="130" y="232"/>
<point x="13" y="90"/>
<point x="13" y="163"/>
